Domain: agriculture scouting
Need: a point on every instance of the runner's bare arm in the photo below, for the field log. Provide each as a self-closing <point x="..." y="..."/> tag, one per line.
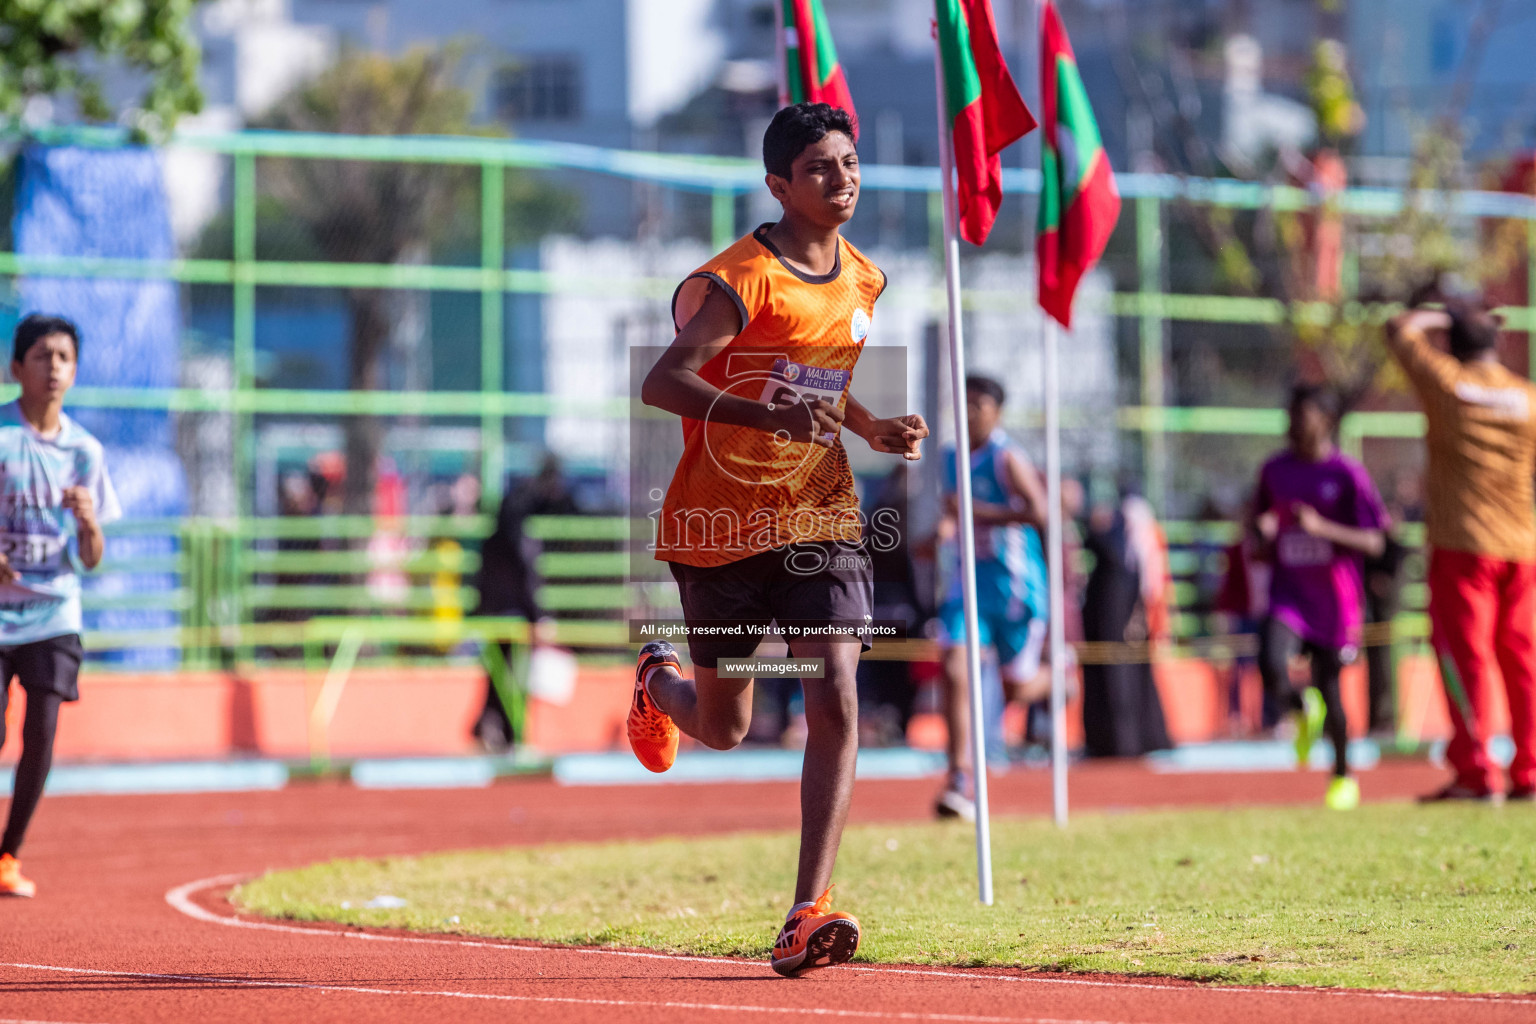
<point x="1023" y="480"/>
<point x="1023" y="483"/>
<point x="895" y="435"/>
<point x="1366" y="541"/>
<point x="1263" y="522"/>
<point x="1408" y="341"/>
<point x="88" y="534"/>
<point x="7" y="574"/>
<point x="986" y="513"/>
<point x="675" y="386"/>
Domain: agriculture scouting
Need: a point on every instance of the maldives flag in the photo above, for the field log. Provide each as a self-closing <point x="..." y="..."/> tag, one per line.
<point x="986" y="112"/>
<point x="1079" y="203"/>
<point x="810" y="60"/>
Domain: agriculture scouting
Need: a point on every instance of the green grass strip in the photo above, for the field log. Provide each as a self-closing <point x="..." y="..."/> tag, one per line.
<point x="1392" y="896"/>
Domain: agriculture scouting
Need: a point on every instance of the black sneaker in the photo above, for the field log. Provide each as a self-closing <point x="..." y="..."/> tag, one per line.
<point x="1456" y="791"/>
<point x="1522" y="794"/>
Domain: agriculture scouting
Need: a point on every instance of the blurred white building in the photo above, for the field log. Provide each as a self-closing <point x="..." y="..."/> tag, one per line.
<point x="253" y="54"/>
<point x="594" y="71"/>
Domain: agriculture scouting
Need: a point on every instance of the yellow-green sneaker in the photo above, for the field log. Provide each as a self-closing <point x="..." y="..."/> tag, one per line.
<point x="1343" y="794"/>
<point x="1309" y="724"/>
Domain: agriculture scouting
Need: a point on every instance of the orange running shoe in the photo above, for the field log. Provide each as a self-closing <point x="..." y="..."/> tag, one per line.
<point x="11" y="881"/>
<point x="653" y="735"/>
<point x="814" y="936"/>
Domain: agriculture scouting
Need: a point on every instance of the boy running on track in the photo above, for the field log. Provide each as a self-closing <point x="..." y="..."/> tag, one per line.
<point x="1318" y="513"/>
<point x="53" y="488"/>
<point x="761" y="522"/>
<point x="1481" y="530"/>
<point x="1012" y="593"/>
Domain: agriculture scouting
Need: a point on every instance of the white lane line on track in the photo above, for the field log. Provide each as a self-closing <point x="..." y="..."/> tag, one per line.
<point x="1267" y="990"/>
<point x="19" y="1020"/>
<point x="788" y="1011"/>
<point x="181" y="898"/>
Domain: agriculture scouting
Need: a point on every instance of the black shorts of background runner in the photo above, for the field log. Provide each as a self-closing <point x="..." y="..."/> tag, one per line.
<point x="803" y="585"/>
<point x="1278" y="644"/>
<point x="49" y="670"/>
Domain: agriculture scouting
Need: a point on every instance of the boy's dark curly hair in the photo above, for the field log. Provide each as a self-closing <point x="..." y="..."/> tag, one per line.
<point x="794" y="128"/>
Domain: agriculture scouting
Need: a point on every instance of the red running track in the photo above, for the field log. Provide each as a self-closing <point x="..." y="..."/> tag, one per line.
<point x="103" y="943"/>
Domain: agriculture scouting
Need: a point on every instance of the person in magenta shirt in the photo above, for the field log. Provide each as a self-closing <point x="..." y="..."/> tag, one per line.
<point x="1318" y="515"/>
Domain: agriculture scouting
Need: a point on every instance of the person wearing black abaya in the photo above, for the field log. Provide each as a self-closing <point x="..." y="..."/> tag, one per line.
<point x="507" y="581"/>
<point x="1122" y="713"/>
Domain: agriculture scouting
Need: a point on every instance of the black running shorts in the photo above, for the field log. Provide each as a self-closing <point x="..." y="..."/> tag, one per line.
<point x="806" y="586"/>
<point x="45" y="666"/>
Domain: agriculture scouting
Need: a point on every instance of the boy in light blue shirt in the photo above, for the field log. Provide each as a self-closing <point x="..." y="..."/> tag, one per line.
<point x="54" y="497"/>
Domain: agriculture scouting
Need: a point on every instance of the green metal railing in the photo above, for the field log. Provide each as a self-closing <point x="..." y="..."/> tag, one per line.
<point x="722" y="179"/>
<point x="226" y="601"/>
<point x="233" y="603"/>
<point x="218" y="593"/>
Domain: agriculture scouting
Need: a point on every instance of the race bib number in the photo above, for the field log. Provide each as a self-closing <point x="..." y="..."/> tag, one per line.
<point x="32" y="552"/>
<point x="798" y="382"/>
<point x="1302" y="551"/>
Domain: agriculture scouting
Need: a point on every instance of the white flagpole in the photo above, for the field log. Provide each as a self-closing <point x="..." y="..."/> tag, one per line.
<point x="1054" y="530"/>
<point x="1056" y="558"/>
<point x="781" y="47"/>
<point x="963" y="485"/>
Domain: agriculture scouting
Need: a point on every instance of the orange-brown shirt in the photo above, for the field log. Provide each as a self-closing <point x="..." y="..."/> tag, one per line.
<point x="1482" y="451"/>
<point x="739" y="491"/>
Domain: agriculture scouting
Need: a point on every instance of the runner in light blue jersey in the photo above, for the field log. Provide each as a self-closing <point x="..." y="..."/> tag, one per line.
<point x="54" y="496"/>
<point x="1012" y="595"/>
<point x="40" y="478"/>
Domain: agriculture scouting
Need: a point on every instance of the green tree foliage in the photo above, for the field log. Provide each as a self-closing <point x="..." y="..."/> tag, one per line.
<point x="61" y="48"/>
<point x="1337" y="275"/>
<point x="367" y="211"/>
<point x="1424" y="241"/>
<point x="1331" y="94"/>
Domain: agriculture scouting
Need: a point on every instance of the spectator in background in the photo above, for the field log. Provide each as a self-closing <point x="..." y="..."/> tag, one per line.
<point x="1408" y="497"/>
<point x="1074" y="502"/>
<point x="328" y="480"/>
<point x="1383" y="600"/>
<point x="296" y="497"/>
<point x="1318" y="515"/>
<point x="508" y="580"/>
<point x="1481" y="529"/>
<point x="1125" y="602"/>
<point x="886" y="690"/>
<point x="1384" y="578"/>
<point x="1037" y="721"/>
<point x="461" y="498"/>
<point x="1242" y="604"/>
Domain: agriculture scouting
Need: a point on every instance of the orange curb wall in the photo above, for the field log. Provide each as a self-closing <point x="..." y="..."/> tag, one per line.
<point x="428" y="711"/>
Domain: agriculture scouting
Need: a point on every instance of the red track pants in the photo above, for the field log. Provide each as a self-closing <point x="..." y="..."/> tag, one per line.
<point x="1483" y="613"/>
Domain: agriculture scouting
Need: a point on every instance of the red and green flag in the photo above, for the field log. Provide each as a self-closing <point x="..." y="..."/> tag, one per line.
<point x="811" y="70"/>
<point x="986" y="113"/>
<point x="1079" y="203"/>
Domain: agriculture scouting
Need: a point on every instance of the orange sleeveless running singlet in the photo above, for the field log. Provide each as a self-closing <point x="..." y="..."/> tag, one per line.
<point x="739" y="491"/>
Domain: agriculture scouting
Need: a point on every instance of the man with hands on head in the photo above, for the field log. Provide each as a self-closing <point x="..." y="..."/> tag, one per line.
<point x="1480" y="527"/>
